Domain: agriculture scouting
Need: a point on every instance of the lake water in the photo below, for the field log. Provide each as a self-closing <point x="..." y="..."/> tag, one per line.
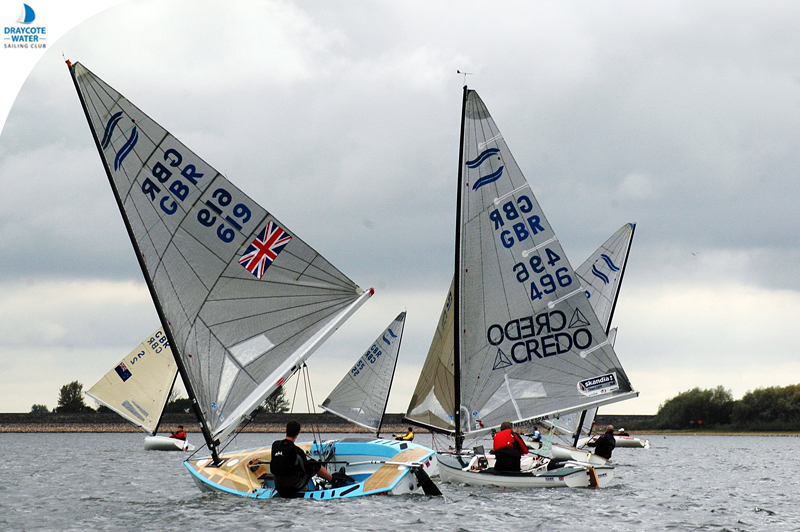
<point x="108" y="482"/>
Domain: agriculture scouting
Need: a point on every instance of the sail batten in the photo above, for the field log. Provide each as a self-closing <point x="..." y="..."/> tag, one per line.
<point x="211" y="255"/>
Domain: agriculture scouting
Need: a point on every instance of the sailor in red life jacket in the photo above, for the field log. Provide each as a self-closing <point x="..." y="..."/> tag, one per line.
<point x="508" y="448"/>
<point x="178" y="434"/>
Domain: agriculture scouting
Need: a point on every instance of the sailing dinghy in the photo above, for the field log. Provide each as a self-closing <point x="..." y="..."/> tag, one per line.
<point x="242" y="299"/>
<point x="525" y="342"/>
<point x="138" y="388"/>
<point x="362" y="394"/>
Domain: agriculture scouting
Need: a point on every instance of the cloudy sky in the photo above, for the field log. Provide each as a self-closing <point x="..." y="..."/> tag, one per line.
<point x="342" y="118"/>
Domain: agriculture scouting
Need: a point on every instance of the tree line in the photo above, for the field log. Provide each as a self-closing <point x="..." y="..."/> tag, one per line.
<point x="776" y="408"/>
<point x="71" y="400"/>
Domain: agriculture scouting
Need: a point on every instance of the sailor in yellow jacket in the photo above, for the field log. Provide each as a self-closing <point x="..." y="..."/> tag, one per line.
<point x="408" y="436"/>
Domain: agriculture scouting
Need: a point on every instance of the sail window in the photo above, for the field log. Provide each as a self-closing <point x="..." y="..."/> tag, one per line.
<point x="229" y="372"/>
<point x="249" y="350"/>
<point x="431" y="404"/>
<point x="520" y="389"/>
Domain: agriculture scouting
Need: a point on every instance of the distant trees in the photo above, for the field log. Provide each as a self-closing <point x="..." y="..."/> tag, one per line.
<point x="40" y="409"/>
<point x="276" y="403"/>
<point x="696" y="408"/>
<point x="773" y="408"/>
<point x="177" y="404"/>
<point x="70" y="399"/>
<point x="764" y="409"/>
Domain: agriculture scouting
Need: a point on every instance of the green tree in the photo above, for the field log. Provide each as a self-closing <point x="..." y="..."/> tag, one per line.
<point x="773" y="408"/>
<point x="696" y="408"/>
<point x="40" y="409"/>
<point x="70" y="399"/>
<point x="176" y="403"/>
<point x="276" y="403"/>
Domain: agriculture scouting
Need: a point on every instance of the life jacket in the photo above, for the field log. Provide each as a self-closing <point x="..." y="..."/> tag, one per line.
<point x="508" y="439"/>
<point x="287" y="467"/>
<point x="180" y="435"/>
<point x="408" y="436"/>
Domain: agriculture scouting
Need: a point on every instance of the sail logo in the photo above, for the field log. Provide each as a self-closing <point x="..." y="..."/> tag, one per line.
<point x="27" y="16"/>
<point x="264" y="249"/>
<point x="611" y="266"/>
<point x="479" y="160"/>
<point x="25" y="36"/>
<point x="126" y="148"/>
<point x="599" y="385"/>
<point x="123" y="371"/>
<point x="543" y="335"/>
<point x="392" y="334"/>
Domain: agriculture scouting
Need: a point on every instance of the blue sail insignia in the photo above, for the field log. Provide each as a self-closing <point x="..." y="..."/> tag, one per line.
<point x="126" y="148"/>
<point x="110" y="125"/>
<point x="477" y="161"/>
<point x="603" y="277"/>
<point x="491" y="178"/>
<point x="614" y="267"/>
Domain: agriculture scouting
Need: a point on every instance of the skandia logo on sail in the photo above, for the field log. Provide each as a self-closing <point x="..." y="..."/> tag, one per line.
<point x="599" y="385"/>
<point x="23" y="35"/>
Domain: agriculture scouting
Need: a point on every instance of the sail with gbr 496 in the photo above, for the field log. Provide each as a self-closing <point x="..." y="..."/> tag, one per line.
<point x="526" y="342"/>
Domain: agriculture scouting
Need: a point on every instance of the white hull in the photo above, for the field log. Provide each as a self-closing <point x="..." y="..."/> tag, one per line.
<point x="461" y="469"/>
<point x="165" y="443"/>
<point x="622" y="441"/>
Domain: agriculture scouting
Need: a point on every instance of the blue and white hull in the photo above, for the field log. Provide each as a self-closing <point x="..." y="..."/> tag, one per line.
<point x="377" y="467"/>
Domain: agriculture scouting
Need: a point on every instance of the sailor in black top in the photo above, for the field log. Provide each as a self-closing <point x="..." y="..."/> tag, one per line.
<point x="290" y="466"/>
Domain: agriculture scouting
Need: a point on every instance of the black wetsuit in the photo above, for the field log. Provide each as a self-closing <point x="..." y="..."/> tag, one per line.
<point x="604" y="445"/>
<point x="291" y="469"/>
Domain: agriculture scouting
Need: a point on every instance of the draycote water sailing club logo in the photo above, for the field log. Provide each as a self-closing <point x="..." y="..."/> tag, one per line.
<point x="24" y="35"/>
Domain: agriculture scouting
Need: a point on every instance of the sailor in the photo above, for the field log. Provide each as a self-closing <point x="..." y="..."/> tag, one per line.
<point x="508" y="448"/>
<point x="605" y="444"/>
<point x="622" y="433"/>
<point x="408" y="436"/>
<point x="290" y="466"/>
<point x="178" y="434"/>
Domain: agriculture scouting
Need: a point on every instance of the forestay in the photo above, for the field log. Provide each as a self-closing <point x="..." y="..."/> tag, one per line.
<point x="244" y="298"/>
<point x="139" y="386"/>
<point x="361" y="396"/>
<point x="530" y="344"/>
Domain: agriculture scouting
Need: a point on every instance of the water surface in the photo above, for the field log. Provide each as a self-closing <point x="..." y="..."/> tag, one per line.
<point x="108" y="482"/>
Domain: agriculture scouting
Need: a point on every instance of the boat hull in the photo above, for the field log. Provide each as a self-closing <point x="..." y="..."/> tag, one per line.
<point x="622" y="442"/>
<point x="165" y="443"/>
<point x="456" y="469"/>
<point x="377" y="466"/>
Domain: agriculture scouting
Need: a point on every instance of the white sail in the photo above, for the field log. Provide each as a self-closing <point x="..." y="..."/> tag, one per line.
<point x="529" y="343"/>
<point x="139" y="386"/>
<point x="601" y="274"/>
<point x="433" y="401"/>
<point x="244" y="298"/>
<point x="361" y="396"/>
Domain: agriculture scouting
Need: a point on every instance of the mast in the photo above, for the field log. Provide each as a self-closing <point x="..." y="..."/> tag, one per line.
<point x="158" y="423"/>
<point x="610" y="318"/>
<point x="621" y="275"/>
<point x="164" y="322"/>
<point x="457" y="286"/>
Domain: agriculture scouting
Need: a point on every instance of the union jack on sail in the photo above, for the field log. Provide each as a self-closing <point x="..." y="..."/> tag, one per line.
<point x="260" y="254"/>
